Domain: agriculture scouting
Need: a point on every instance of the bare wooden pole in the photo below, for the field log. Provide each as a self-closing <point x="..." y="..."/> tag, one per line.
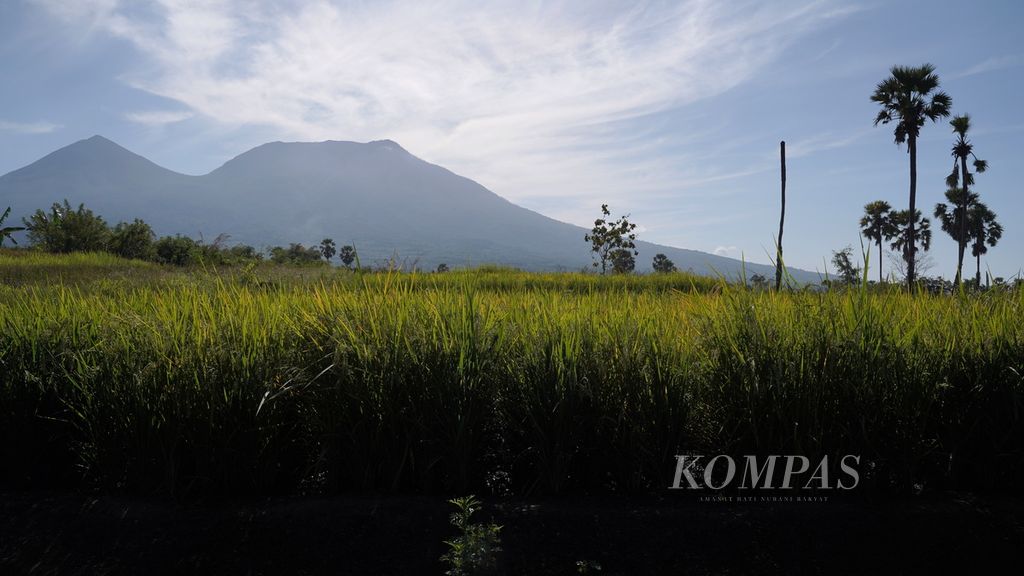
<point x="782" y="218"/>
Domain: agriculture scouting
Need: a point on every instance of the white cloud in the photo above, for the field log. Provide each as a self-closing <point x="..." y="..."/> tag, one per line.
<point x="993" y="64"/>
<point x="158" y="117"/>
<point x="29" y="127"/>
<point x="824" y="141"/>
<point x="726" y="250"/>
<point x="533" y="100"/>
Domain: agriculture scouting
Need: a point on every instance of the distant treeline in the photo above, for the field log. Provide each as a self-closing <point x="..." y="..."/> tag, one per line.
<point x="64" y="230"/>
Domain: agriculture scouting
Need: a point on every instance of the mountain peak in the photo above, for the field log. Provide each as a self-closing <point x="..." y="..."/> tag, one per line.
<point x="278" y="156"/>
<point x="387" y="145"/>
<point x="95" y="157"/>
<point x="97" y="140"/>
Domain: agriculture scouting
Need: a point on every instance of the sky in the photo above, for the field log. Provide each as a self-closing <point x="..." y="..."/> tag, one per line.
<point x="671" y="112"/>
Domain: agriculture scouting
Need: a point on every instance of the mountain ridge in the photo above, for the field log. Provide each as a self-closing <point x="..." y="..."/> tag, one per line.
<point x="375" y="195"/>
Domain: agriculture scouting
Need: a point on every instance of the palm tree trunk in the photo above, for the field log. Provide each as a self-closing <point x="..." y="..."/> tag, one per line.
<point x="911" y="248"/>
<point x="963" y="221"/>
<point x="879" y="257"/>
<point x="980" y="244"/>
<point x="977" y="274"/>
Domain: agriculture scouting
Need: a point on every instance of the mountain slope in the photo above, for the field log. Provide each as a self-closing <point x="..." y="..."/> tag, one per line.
<point x="376" y="196"/>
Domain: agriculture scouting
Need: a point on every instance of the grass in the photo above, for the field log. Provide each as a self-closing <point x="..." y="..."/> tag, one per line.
<point x="133" y="377"/>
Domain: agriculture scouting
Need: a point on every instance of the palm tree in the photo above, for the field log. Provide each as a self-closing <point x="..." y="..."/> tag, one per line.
<point x="905" y="228"/>
<point x="876" y="226"/>
<point x="951" y="216"/>
<point x="984" y="230"/>
<point x="6" y="231"/>
<point x="908" y="97"/>
<point x="962" y="149"/>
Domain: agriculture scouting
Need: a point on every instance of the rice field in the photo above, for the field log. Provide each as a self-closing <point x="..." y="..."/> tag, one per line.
<point x="128" y="376"/>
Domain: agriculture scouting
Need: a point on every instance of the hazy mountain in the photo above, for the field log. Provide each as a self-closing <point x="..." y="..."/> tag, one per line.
<point x="376" y="196"/>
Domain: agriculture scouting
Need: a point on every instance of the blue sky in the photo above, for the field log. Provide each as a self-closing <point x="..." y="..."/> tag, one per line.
<point x="670" y="111"/>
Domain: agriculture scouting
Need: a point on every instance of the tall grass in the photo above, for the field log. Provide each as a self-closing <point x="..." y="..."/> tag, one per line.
<point x="203" y="383"/>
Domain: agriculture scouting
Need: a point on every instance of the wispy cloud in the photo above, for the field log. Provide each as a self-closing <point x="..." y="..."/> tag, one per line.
<point x="726" y="251"/>
<point x="992" y="65"/>
<point x="532" y="99"/>
<point x="158" y="117"/>
<point x="28" y="128"/>
<point x="822" y="142"/>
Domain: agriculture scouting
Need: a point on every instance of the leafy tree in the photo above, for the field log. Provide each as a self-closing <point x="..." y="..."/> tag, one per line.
<point x="985" y="231"/>
<point x="175" y="250"/>
<point x="662" y="264"/>
<point x="347" y="255"/>
<point x="877" y="227"/>
<point x="212" y="254"/>
<point x="907" y="228"/>
<point x="759" y="281"/>
<point x="299" y="254"/>
<point x="608" y="237"/>
<point x="848" y="272"/>
<point x="328" y="249"/>
<point x="623" y="261"/>
<point x="959" y="180"/>
<point x="442" y="268"/>
<point x="243" y="253"/>
<point x="64" y="230"/>
<point x="908" y="98"/>
<point x="295" y="254"/>
<point x="7" y="231"/>
<point x="133" y="240"/>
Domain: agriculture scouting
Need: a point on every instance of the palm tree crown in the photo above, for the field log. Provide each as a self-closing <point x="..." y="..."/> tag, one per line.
<point x="951" y="215"/>
<point x="906" y="98"/>
<point x="985" y="231"/>
<point x="922" y="232"/>
<point x="877" y="227"/>
<point x="7" y="231"/>
<point x="962" y="150"/>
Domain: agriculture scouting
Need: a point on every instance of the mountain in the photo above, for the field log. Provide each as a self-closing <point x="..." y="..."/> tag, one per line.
<point x="376" y="196"/>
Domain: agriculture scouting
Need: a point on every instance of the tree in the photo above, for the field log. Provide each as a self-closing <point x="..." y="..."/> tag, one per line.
<point x="953" y="222"/>
<point x="622" y="261"/>
<point x="295" y="254"/>
<point x="7" y="231"/>
<point x="923" y="263"/>
<point x="909" y="232"/>
<point x="133" y="240"/>
<point x="175" y="250"/>
<point x="960" y="180"/>
<point x="759" y="281"/>
<point x="908" y="98"/>
<point x="984" y="230"/>
<point x="347" y="256"/>
<point x="662" y="264"/>
<point x="328" y="249"/>
<point x="843" y="261"/>
<point x="64" y="230"/>
<point x="442" y="268"/>
<point x="877" y="227"/>
<point x="607" y="237"/>
<point x="243" y="253"/>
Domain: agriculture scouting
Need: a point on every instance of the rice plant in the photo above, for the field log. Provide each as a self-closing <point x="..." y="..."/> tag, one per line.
<point x="135" y="377"/>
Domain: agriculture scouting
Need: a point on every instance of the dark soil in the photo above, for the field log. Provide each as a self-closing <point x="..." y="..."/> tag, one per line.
<point x="65" y="533"/>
